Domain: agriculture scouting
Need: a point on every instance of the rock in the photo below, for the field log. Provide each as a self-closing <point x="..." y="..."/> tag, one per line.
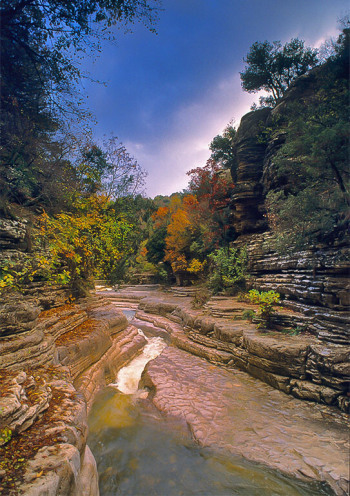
<point x="247" y="199"/>
<point x="281" y="355"/>
<point x="27" y="350"/>
<point x="87" y="484"/>
<point x="329" y="365"/>
<point x="17" y="315"/>
<point x="23" y="401"/>
<point x="12" y="233"/>
<point x="227" y="410"/>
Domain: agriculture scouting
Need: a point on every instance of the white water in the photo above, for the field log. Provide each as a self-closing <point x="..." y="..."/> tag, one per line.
<point x="129" y="376"/>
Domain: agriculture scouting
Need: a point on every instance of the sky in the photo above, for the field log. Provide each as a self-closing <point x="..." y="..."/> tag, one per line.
<point x="167" y="95"/>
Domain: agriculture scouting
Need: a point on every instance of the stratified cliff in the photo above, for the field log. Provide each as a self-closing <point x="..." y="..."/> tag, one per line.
<point x="313" y="280"/>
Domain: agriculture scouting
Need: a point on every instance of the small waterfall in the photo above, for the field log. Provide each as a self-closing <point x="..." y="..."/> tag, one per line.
<point x="129" y="376"/>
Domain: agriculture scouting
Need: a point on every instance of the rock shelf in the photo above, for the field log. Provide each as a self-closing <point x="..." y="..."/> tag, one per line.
<point x="52" y="369"/>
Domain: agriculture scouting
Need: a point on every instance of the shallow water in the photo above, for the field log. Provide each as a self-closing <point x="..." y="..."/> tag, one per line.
<point x="140" y="453"/>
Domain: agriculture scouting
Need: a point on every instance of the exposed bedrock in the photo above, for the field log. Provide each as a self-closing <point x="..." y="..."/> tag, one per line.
<point x="247" y="199"/>
<point x="49" y="375"/>
<point x="314" y="281"/>
<point x="225" y="410"/>
<point x="303" y="366"/>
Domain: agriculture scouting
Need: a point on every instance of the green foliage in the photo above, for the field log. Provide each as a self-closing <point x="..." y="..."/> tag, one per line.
<point x="156" y="245"/>
<point x="74" y="248"/>
<point x="228" y="269"/>
<point x="248" y="315"/>
<point x="312" y="164"/>
<point x="222" y="150"/>
<point x="266" y="301"/>
<point x="273" y="67"/>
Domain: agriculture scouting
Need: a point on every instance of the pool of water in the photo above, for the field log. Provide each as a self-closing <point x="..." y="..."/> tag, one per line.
<point x="139" y="452"/>
<point x="129" y="314"/>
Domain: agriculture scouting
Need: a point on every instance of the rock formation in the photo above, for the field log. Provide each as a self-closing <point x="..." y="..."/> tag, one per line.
<point x="314" y="281"/>
<point x="52" y="363"/>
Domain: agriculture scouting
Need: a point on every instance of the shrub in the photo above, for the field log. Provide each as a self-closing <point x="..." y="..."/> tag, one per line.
<point x="228" y="270"/>
<point x="200" y="298"/>
<point x="266" y="300"/>
<point x="248" y="315"/>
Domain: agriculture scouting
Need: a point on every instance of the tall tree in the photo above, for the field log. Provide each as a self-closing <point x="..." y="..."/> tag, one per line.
<point x="41" y="44"/>
<point x="273" y="67"/>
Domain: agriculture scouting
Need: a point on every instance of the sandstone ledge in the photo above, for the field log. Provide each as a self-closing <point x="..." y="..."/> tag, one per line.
<point x="303" y="366"/>
<point x="49" y="377"/>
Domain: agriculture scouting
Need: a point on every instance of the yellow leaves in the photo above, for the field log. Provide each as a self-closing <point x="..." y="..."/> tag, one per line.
<point x="196" y="266"/>
<point x="90" y="237"/>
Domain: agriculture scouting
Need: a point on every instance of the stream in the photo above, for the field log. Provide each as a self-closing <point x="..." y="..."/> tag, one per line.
<point x="140" y="452"/>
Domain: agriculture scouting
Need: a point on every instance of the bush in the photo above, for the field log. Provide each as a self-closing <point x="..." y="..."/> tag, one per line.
<point x="200" y="298"/>
<point x="248" y="315"/>
<point x="228" y="270"/>
<point x="266" y="300"/>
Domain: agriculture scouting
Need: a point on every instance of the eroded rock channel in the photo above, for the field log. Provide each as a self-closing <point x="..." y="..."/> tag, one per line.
<point x="222" y="410"/>
<point x="231" y="416"/>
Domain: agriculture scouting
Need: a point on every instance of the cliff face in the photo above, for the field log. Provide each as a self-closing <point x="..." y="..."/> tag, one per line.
<point x="248" y="200"/>
<point x="315" y="280"/>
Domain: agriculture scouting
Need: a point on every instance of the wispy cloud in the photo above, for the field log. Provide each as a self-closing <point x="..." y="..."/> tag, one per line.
<point x="192" y="128"/>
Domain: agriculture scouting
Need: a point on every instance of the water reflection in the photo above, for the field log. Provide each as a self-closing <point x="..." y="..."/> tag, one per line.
<point x="139" y="453"/>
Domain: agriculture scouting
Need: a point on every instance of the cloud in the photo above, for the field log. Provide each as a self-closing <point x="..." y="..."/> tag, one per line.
<point x="192" y="128"/>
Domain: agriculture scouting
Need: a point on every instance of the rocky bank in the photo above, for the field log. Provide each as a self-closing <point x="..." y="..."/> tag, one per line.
<point x="52" y="363"/>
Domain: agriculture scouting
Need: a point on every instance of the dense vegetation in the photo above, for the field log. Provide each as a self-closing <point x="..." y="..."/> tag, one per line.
<point x="84" y="199"/>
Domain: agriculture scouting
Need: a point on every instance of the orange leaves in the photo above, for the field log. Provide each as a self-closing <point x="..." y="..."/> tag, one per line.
<point x="161" y="217"/>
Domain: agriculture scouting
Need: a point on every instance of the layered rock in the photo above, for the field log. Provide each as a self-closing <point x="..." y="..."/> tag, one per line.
<point x="303" y="366"/>
<point x="247" y="199"/>
<point x="50" y="372"/>
<point x="314" y="281"/>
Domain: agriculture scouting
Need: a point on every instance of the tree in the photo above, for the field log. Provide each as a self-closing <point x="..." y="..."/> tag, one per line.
<point x="41" y="44"/>
<point x="273" y="67"/>
<point x="313" y="163"/>
<point x="212" y="188"/>
<point x="222" y="148"/>
<point x="88" y="243"/>
<point x="109" y="169"/>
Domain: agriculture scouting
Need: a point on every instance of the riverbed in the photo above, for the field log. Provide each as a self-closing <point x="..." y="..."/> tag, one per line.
<point x="187" y="439"/>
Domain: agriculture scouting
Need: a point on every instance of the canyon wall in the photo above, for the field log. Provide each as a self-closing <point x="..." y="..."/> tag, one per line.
<point x="314" y="281"/>
<point x="52" y="364"/>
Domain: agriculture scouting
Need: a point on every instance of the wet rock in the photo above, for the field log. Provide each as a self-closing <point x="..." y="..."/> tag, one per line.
<point x="123" y="348"/>
<point x="227" y="410"/>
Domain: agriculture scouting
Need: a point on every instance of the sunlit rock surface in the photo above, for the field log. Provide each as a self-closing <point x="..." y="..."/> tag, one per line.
<point x="303" y="365"/>
<point x="229" y="410"/>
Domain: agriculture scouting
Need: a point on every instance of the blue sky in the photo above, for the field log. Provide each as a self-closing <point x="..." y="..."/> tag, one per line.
<point x="169" y="94"/>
